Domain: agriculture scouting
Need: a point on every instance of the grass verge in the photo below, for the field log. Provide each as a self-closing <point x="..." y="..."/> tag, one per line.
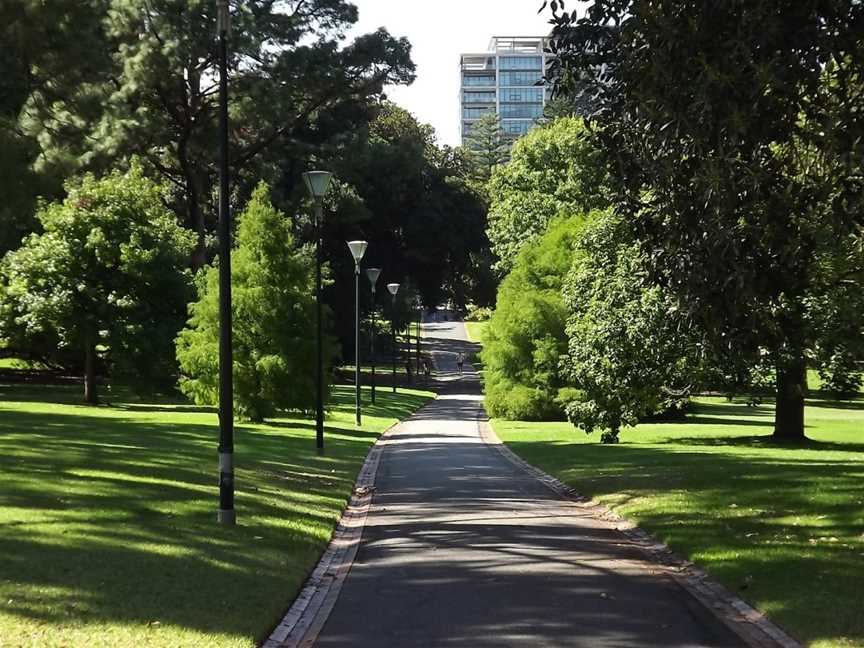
<point x="781" y="526"/>
<point x="475" y="330"/>
<point x="107" y="516"/>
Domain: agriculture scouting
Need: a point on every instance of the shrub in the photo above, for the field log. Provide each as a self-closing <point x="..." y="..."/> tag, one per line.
<point x="105" y="284"/>
<point x="525" y="338"/>
<point x="273" y="320"/>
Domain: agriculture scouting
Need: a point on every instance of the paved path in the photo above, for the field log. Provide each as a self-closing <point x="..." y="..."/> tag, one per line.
<point x="461" y="548"/>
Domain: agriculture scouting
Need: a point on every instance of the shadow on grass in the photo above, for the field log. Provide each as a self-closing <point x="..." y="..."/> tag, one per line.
<point x="770" y="526"/>
<point x="108" y="514"/>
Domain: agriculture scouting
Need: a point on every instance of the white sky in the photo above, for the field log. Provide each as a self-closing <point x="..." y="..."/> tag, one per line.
<point x="439" y="31"/>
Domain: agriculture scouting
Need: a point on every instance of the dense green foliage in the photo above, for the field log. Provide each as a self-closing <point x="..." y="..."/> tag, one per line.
<point x="771" y="522"/>
<point x="525" y="339"/>
<point x="272" y="283"/>
<point x="486" y="147"/>
<point x="629" y="349"/>
<point x="555" y="170"/>
<point x="105" y="282"/>
<point x="734" y="134"/>
<point x="412" y="201"/>
<point x="152" y="93"/>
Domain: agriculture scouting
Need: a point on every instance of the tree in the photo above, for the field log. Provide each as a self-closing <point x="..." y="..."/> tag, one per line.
<point x="106" y="281"/>
<point x="735" y="134"/>
<point x="38" y="78"/>
<point x="411" y="200"/>
<point x="631" y="353"/>
<point x="486" y="147"/>
<point x="525" y="340"/>
<point x="554" y="171"/>
<point x="293" y="87"/>
<point x="273" y="300"/>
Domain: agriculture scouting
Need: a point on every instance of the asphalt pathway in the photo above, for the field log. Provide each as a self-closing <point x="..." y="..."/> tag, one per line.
<point x="461" y="548"/>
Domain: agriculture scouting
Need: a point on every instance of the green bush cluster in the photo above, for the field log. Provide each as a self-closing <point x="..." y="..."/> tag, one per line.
<point x="526" y="339"/>
<point x="273" y="299"/>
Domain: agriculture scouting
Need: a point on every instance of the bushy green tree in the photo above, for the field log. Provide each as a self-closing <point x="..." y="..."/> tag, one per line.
<point x="273" y="299"/>
<point x="105" y="282"/>
<point x="630" y="353"/>
<point x="555" y="170"/>
<point x="486" y="147"/>
<point x="525" y="339"/>
<point x="410" y="199"/>
<point x="294" y="87"/>
<point x="735" y="134"/>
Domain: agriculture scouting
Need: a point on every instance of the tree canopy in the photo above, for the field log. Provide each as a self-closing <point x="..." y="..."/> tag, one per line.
<point x="106" y="282"/>
<point x="273" y="302"/>
<point x="525" y="340"/>
<point x="734" y="134"/>
<point x="554" y="171"/>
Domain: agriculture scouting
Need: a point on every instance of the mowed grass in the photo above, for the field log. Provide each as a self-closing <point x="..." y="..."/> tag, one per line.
<point x="475" y="330"/>
<point x="781" y="526"/>
<point x="108" y="531"/>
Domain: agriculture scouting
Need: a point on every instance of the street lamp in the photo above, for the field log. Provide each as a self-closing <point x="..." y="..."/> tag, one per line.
<point x="419" y="305"/>
<point x="358" y="249"/>
<point x="226" y="514"/>
<point x="317" y="184"/>
<point x="373" y="274"/>
<point x="393" y="288"/>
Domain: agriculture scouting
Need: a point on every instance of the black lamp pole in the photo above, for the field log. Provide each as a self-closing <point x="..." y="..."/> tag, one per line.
<point x="393" y="288"/>
<point x="357" y="249"/>
<point x="227" y="514"/>
<point x="319" y="352"/>
<point x="317" y="184"/>
<point x="372" y="274"/>
<point x="357" y="343"/>
<point x="419" y="317"/>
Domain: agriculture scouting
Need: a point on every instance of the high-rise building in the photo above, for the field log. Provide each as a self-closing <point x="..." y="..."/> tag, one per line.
<point x="507" y="79"/>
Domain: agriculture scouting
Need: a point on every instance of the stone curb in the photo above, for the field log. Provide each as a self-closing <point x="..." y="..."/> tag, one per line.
<point x="752" y="626"/>
<point x="306" y="617"/>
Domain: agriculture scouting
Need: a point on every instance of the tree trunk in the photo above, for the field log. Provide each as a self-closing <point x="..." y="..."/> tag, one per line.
<point x="789" y="411"/>
<point x="196" y="217"/>
<point x="90" y="373"/>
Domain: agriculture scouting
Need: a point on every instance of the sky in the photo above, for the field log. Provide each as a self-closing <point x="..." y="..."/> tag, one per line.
<point x="439" y="31"/>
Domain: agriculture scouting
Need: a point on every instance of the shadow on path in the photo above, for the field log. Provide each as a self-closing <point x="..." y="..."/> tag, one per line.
<point x="463" y="548"/>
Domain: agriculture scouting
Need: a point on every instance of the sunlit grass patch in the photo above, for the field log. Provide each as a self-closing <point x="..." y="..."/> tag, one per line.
<point x="107" y="516"/>
<point x="781" y="526"/>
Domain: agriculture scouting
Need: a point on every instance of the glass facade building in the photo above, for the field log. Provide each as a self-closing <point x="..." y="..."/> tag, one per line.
<point x="507" y="79"/>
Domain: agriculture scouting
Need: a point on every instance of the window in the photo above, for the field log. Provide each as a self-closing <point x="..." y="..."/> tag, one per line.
<point x="475" y="113"/>
<point x="478" y="97"/>
<point x="532" y="111"/>
<point x="485" y="80"/>
<point x="517" y="127"/>
<point x="521" y="62"/>
<point x="522" y="95"/>
<point x="520" y="78"/>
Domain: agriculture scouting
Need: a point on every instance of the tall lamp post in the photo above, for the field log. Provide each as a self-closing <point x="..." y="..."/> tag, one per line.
<point x="373" y="274"/>
<point x="419" y="318"/>
<point x="226" y="514"/>
<point x="393" y="288"/>
<point x="358" y="249"/>
<point x="317" y="184"/>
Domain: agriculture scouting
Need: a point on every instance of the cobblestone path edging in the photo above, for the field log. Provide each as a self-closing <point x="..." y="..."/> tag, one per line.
<point x="749" y="624"/>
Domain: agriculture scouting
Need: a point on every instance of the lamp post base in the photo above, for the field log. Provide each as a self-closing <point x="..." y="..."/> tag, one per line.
<point x="227" y="517"/>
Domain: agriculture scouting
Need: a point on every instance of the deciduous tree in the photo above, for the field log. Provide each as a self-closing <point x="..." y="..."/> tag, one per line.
<point x="105" y="282"/>
<point x="735" y="136"/>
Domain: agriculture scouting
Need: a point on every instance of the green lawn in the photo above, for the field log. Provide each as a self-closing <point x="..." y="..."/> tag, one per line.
<point x="107" y="517"/>
<point x="385" y="369"/>
<point x="781" y="526"/>
<point x="475" y="330"/>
